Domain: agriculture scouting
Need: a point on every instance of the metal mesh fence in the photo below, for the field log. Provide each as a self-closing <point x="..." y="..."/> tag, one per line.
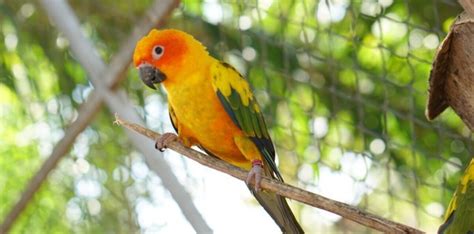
<point x="343" y="85"/>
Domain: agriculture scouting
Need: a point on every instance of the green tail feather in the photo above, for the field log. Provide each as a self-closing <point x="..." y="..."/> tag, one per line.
<point x="277" y="207"/>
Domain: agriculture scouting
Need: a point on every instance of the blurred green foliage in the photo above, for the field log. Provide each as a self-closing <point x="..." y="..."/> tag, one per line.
<point x="340" y="84"/>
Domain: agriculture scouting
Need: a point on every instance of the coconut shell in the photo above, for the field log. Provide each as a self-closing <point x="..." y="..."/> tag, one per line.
<point x="452" y="75"/>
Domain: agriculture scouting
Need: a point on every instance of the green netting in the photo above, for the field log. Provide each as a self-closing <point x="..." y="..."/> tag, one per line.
<point x="343" y="86"/>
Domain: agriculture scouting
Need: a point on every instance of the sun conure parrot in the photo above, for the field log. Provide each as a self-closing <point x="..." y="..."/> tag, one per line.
<point x="212" y="106"/>
<point x="459" y="217"/>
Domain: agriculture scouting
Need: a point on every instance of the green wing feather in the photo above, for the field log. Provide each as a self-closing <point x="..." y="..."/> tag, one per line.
<point x="459" y="216"/>
<point x="174" y="120"/>
<point x="237" y="98"/>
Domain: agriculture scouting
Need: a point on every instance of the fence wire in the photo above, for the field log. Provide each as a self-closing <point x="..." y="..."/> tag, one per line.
<point x="343" y="86"/>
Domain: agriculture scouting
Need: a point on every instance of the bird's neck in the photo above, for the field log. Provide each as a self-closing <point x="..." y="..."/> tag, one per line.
<point x="193" y="70"/>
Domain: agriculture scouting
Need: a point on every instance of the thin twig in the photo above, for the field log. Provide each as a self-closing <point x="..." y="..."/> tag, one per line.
<point x="309" y="198"/>
<point x="468" y="6"/>
<point x="87" y="55"/>
<point x="154" y="17"/>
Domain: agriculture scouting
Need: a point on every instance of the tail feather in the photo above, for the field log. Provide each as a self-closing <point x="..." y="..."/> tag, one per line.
<point x="277" y="207"/>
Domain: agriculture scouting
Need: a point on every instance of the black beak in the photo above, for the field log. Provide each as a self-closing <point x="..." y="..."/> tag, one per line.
<point x="151" y="75"/>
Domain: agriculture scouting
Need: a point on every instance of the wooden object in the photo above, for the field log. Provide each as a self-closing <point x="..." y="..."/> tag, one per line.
<point x="452" y="75"/>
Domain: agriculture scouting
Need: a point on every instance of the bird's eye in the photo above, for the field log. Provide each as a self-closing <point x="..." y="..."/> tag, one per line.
<point x="158" y="51"/>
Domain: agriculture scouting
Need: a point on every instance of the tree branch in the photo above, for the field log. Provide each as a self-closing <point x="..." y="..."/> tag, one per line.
<point x="87" y="55"/>
<point x="114" y="73"/>
<point x="61" y="148"/>
<point x="309" y="198"/>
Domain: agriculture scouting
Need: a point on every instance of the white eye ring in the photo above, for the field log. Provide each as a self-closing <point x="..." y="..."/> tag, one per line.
<point x="157" y="51"/>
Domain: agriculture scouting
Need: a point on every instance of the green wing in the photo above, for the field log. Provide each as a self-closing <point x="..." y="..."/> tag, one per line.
<point x="237" y="99"/>
<point x="460" y="213"/>
<point x="174" y="120"/>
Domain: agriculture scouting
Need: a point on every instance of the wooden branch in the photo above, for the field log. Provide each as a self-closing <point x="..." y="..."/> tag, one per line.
<point x="309" y="198"/>
<point x="115" y="72"/>
<point x="468" y="6"/>
<point x="87" y="55"/>
<point x="86" y="114"/>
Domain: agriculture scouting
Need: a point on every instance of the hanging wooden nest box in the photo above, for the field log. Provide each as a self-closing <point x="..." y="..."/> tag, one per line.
<point x="452" y="74"/>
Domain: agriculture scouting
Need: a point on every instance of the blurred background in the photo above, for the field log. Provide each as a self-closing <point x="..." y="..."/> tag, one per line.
<point x="343" y="86"/>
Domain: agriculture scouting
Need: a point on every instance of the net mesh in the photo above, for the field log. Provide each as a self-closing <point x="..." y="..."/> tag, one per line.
<point x="343" y="86"/>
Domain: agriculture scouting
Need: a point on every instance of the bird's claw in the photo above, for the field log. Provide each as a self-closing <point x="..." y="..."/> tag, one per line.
<point x="255" y="174"/>
<point x="164" y="140"/>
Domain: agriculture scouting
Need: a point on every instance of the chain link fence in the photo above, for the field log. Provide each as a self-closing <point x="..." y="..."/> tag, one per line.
<point x="343" y="85"/>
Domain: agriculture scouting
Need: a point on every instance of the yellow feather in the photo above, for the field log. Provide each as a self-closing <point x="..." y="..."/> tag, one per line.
<point x="226" y="77"/>
<point x="462" y="187"/>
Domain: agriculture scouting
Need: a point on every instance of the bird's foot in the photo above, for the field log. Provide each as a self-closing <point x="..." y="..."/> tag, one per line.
<point x="164" y="140"/>
<point x="255" y="174"/>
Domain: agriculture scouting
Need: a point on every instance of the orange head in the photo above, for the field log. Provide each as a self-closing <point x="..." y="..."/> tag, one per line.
<point x="163" y="54"/>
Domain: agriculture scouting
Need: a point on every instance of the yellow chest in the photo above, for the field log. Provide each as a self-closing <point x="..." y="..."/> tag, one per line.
<point x="194" y="103"/>
<point x="203" y="118"/>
